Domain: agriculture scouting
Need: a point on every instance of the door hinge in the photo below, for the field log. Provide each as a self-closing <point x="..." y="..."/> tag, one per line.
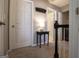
<point x="77" y="11"/>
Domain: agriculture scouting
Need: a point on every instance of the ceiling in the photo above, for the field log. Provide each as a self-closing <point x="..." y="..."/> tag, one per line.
<point x="60" y="3"/>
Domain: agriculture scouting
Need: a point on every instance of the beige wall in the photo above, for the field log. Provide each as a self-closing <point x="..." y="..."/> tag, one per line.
<point x="65" y="19"/>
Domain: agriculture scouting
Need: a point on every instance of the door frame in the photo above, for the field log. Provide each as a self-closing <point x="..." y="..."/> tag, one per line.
<point x="73" y="30"/>
<point x="32" y="22"/>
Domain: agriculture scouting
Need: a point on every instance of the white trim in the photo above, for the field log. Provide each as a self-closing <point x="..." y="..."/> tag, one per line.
<point x="73" y="30"/>
<point x="32" y="23"/>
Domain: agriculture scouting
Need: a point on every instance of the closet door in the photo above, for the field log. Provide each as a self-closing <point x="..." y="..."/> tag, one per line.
<point x="20" y="23"/>
<point x="3" y="19"/>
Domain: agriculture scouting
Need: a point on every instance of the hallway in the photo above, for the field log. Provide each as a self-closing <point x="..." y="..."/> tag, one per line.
<point x="23" y="18"/>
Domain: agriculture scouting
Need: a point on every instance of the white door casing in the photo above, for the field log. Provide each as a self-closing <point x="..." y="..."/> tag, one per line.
<point x="73" y="29"/>
<point x="78" y="24"/>
<point x="21" y="26"/>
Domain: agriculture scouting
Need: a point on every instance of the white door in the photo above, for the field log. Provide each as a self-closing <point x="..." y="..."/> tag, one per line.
<point x="21" y="33"/>
<point x="1" y="27"/>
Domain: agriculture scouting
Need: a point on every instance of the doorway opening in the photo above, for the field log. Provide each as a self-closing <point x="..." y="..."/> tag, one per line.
<point x="50" y="24"/>
<point x="63" y="33"/>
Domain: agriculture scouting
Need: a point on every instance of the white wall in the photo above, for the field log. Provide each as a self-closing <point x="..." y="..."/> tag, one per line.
<point x="42" y="4"/>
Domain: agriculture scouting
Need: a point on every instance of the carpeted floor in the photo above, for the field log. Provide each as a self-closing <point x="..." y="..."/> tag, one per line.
<point x="36" y="52"/>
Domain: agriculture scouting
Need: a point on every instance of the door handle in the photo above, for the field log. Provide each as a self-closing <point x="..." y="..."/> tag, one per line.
<point x="2" y="23"/>
<point x="77" y="10"/>
<point x="13" y="26"/>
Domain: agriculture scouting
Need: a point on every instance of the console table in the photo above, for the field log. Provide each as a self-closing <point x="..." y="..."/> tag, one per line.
<point x="40" y="35"/>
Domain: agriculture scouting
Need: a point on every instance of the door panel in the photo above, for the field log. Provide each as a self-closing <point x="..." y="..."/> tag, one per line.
<point x="1" y="27"/>
<point x="21" y="26"/>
